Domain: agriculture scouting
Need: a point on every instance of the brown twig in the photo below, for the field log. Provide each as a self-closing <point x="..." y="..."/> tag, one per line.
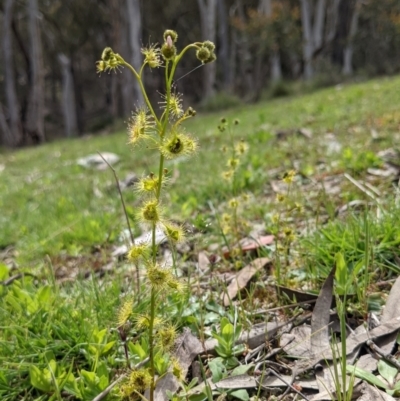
<point x="289" y="385"/>
<point x="126" y="217"/>
<point x="387" y="357"/>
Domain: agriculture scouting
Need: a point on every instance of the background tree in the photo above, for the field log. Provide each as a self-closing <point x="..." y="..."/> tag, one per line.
<point x="208" y="18"/>
<point x="11" y="132"/>
<point x="35" y="113"/>
<point x="47" y="85"/>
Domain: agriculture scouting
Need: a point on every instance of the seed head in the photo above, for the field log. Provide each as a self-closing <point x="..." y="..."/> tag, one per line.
<point x="158" y="276"/>
<point x="150" y="211"/>
<point x="288" y="177"/>
<point x="174" y="232"/>
<point x="138" y="381"/>
<point x="228" y="175"/>
<point x="142" y="322"/>
<point x="233" y="203"/>
<point x="177" y="369"/>
<point x="166" y="336"/>
<point x="233" y="162"/>
<point x="138" y="251"/>
<point x="280" y="198"/>
<point x="148" y="184"/>
<point x="241" y="147"/>
<point x="226" y="218"/>
<point x="178" y="144"/>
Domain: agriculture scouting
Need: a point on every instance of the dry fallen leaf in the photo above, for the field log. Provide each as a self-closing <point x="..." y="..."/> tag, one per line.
<point x="249" y="244"/>
<point x="391" y="310"/>
<point x="321" y="316"/>
<point x="242" y="278"/>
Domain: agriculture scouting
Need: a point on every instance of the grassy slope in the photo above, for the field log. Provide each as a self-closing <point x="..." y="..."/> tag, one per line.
<point x="50" y="204"/>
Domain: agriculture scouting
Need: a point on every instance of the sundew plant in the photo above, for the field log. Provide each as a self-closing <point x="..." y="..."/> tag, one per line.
<point x="166" y="136"/>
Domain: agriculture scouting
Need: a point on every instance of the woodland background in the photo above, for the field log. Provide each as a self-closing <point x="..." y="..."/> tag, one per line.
<point x="49" y="88"/>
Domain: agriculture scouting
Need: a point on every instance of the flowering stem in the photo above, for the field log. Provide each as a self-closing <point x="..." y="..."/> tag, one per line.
<point x="146" y="98"/>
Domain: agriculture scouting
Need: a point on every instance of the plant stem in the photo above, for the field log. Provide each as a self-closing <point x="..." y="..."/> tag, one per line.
<point x="151" y="342"/>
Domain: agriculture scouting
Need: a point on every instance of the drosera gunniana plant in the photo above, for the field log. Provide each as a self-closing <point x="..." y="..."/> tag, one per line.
<point x="166" y="136"/>
<point x="287" y="207"/>
<point x="231" y="222"/>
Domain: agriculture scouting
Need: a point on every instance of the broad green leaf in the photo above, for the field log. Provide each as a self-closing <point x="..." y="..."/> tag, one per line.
<point x="341" y="272"/>
<point x="387" y="371"/>
<point x="369" y="377"/>
<point x="227" y="332"/>
<point x="107" y="347"/>
<point x="198" y="397"/>
<point x="102" y="369"/>
<point x="43" y="296"/>
<point x="224" y="322"/>
<point x="40" y="379"/>
<point x="4" y="271"/>
<point x="71" y="386"/>
<point x="240" y="395"/>
<point x="99" y="336"/>
<point x="218" y="369"/>
<point x="242" y="369"/>
<point x="90" y="378"/>
<point x="136" y="349"/>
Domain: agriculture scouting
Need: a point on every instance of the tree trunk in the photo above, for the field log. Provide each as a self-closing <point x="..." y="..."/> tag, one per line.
<point x="125" y="78"/>
<point x="348" y="50"/>
<point x="332" y="15"/>
<point x="208" y="14"/>
<point x="13" y="136"/>
<point x="6" y="135"/>
<point x="116" y="95"/>
<point x="319" y="22"/>
<point x="35" y="113"/>
<point x="135" y="36"/>
<point x="245" y="81"/>
<point x="308" y="45"/>
<point x="68" y="97"/>
<point x="223" y="50"/>
<point x="265" y="7"/>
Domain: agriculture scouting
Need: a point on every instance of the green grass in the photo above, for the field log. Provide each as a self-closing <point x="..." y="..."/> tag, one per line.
<point x="54" y="212"/>
<point x="51" y="205"/>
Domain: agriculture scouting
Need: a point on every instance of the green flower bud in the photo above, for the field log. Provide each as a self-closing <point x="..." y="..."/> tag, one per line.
<point x="173" y="34"/>
<point x="203" y="54"/>
<point x="209" y="45"/>
<point x="168" y="52"/>
<point x="107" y="54"/>
<point x="210" y="59"/>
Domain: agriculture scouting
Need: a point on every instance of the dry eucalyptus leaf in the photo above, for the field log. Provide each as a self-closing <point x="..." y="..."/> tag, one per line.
<point x="273" y="381"/>
<point x="321" y="316"/>
<point x="187" y="348"/>
<point x="371" y="393"/>
<point x="242" y="278"/>
<point x="391" y="310"/>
